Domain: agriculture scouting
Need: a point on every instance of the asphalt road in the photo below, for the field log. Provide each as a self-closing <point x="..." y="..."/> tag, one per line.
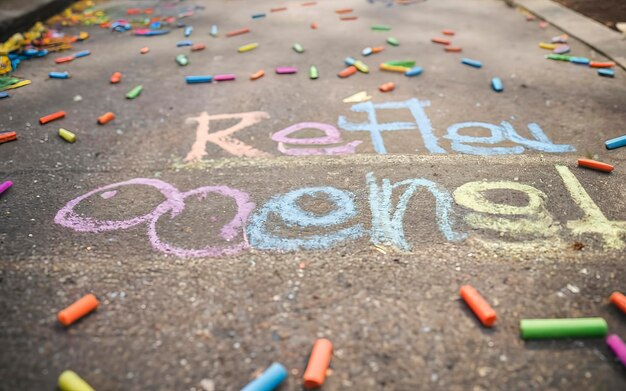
<point x="220" y="257"/>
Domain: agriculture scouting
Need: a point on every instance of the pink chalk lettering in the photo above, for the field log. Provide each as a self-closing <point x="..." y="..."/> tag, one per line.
<point x="332" y="137"/>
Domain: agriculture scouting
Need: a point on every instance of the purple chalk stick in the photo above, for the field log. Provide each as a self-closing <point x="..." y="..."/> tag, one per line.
<point x="618" y="346"/>
<point x="226" y="77"/>
<point x="5" y="186"/>
<point x="561" y="49"/>
<point x="286" y="70"/>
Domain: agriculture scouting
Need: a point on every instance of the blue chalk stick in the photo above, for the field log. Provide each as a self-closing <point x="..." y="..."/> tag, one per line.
<point x="188" y="31"/>
<point x="472" y="63"/>
<point x="366" y="51"/>
<point x="213" y="31"/>
<point x="155" y="25"/>
<point x="496" y="84"/>
<point x="415" y="71"/>
<point x="3" y="95"/>
<point x="349" y="61"/>
<point x="257" y="16"/>
<point x="59" y="75"/>
<point x="150" y="33"/>
<point x="183" y="43"/>
<point x="82" y="53"/>
<point x="615" y="142"/>
<point x="269" y="380"/>
<point x="579" y="60"/>
<point x="606" y="72"/>
<point x="198" y="79"/>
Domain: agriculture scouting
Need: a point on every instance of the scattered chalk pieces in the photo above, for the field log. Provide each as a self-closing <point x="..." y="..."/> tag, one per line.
<point x="298" y="48"/>
<point x="278" y="9"/>
<point x="606" y="72"/>
<point x="349" y="60"/>
<point x="5" y="137"/>
<point x="78" y="309"/>
<point x="593" y="164"/>
<point x="182" y="60"/>
<point x="380" y="27"/>
<point x="237" y="32"/>
<point x="619" y="300"/>
<point x="560" y="39"/>
<point x="447" y="32"/>
<point x="618" y="347"/>
<point x="366" y="51"/>
<point x="213" y="31"/>
<point x="188" y="31"/>
<point x="496" y="84"/>
<point x="82" y="53"/>
<point x="4" y="186"/>
<point x="197" y="47"/>
<point x="61" y="60"/>
<point x="478" y="305"/>
<point x="257" y="75"/>
<point x="441" y="41"/>
<point x="314" y="26"/>
<point x="198" y="79"/>
<point x="561" y="49"/>
<point x="116" y="77"/>
<point x="563" y="328"/>
<point x="59" y="75"/>
<point x="579" y="60"/>
<point x="361" y="67"/>
<point x="346" y="18"/>
<point x="144" y="50"/>
<point x="415" y="71"/>
<point x="357" y="98"/>
<point x="318" y="364"/>
<point x="453" y="49"/>
<point x="387" y="87"/>
<point x="599" y="64"/>
<point x="106" y="118"/>
<point x="183" y="43"/>
<point x="344" y="10"/>
<point x="4" y="95"/>
<point x="472" y="63"/>
<point x="248" y="47"/>
<point x="349" y="71"/>
<point x="67" y="135"/>
<point x="269" y="379"/>
<point x="313" y="72"/>
<point x="547" y="46"/>
<point x="51" y="117"/>
<point x="135" y="92"/>
<point x="225" y="77"/>
<point x="286" y="70"/>
<point x="70" y="381"/>
<point x="394" y="68"/>
<point x="616" y="142"/>
<point x="258" y="16"/>
<point x="393" y="41"/>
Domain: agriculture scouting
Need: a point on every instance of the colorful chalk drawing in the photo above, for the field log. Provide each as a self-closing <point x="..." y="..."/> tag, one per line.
<point x="332" y="136"/>
<point x="282" y="223"/>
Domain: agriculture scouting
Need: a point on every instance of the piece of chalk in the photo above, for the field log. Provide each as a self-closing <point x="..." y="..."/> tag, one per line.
<point x="7" y="136"/>
<point x="182" y="60"/>
<point x="606" y="72"/>
<point x="116" y="77"/>
<point x="188" y="31"/>
<point x="286" y="70"/>
<point x="558" y="57"/>
<point x="447" y="32"/>
<point x="415" y="71"/>
<point x="106" y="117"/>
<point x="366" y="51"/>
<point x="349" y="71"/>
<point x="441" y="41"/>
<point x="4" y="186"/>
<point x="213" y="31"/>
<point x="197" y="47"/>
<point x="4" y="95"/>
<point x="349" y="61"/>
<point x="313" y="73"/>
<point x="561" y="49"/>
<point x="563" y="328"/>
<point x="579" y="60"/>
<point x="387" y="87"/>
<point x="344" y="18"/>
<point x="198" y="79"/>
<point x="149" y="32"/>
<point x="319" y="360"/>
<point x="588" y="163"/>
<point x="616" y="142"/>
<point x="82" y="53"/>
<point x="269" y="379"/>
<point x="496" y="84"/>
<point x="599" y="64"/>
<point x="257" y="16"/>
<point x="393" y="68"/>
<point x="361" y="67"/>
<point x="472" y="63"/>
<point x="298" y="48"/>
<point x="59" y="75"/>
<point x="248" y="47"/>
<point x="257" y="75"/>
<point x="378" y="49"/>
<point x="547" y="46"/>
<point x="619" y="300"/>
<point x="61" y="60"/>
<point x="618" y="347"/>
<point x="237" y="32"/>
<point x="183" y="43"/>
<point x="144" y="50"/>
<point x="135" y="92"/>
<point x="401" y="63"/>
<point x="225" y="77"/>
<point x="278" y="9"/>
<point x="344" y="10"/>
<point x="78" y="309"/>
<point x="70" y="381"/>
<point x="380" y="27"/>
<point x="560" y="38"/>
<point x="478" y="305"/>
<point x="67" y="135"/>
<point x="51" y="117"/>
<point x="313" y="25"/>
<point x="453" y="49"/>
<point x="393" y="41"/>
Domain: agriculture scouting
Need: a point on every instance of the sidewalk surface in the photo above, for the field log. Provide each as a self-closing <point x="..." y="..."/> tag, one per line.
<point x="226" y="226"/>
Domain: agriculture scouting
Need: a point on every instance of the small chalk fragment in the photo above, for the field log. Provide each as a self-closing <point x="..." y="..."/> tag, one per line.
<point x="616" y="142"/>
<point x="558" y="57"/>
<point x="5" y="186"/>
<point x="258" y="16"/>
<point x="316" y="368"/>
<point x="387" y="87"/>
<point x="441" y="41"/>
<point x="286" y="70"/>
<point x="560" y="38"/>
<point x="213" y="31"/>
<point x="298" y="48"/>
<point x="447" y="32"/>
<point x="61" y="60"/>
<point x="401" y="63"/>
<point x="225" y="77"/>
<point x="415" y="71"/>
<point x="377" y="49"/>
<point x="78" y="309"/>
<point x="361" y="67"/>
<point x="188" y="31"/>
<point x="313" y="73"/>
<point x="106" y="118"/>
<point x="561" y="49"/>
<point x="116" y="77"/>
<point x="59" y="75"/>
<point x="182" y="60"/>
<point x="4" y="94"/>
<point x="606" y="72"/>
<point x="197" y="47"/>
<point x="314" y="26"/>
<point x="82" y="53"/>
<point x="453" y="49"/>
<point x="67" y="135"/>
<point x="393" y="41"/>
<point x="357" y="98"/>
<point x="344" y="10"/>
<point x="472" y="63"/>
<point x="257" y="75"/>
<point x="563" y="328"/>
<point x="598" y="64"/>
<point x="5" y="137"/>
<point x="345" y="18"/>
<point x="349" y="60"/>
<point x="618" y="347"/>
<point x="150" y="32"/>
<point x="547" y="46"/>
<point x="366" y="51"/>
<point x="593" y="164"/>
<point x="394" y="68"/>
<point x="543" y="24"/>
<point x="496" y="84"/>
<point x="237" y="32"/>
<point x="183" y="43"/>
<point x="478" y="305"/>
<point x="144" y="50"/>
<point x="278" y="9"/>
<point x="51" y="117"/>
<point x="198" y="79"/>
<point x="248" y="47"/>
<point x="309" y="3"/>
<point x="380" y="27"/>
<point x="349" y="71"/>
<point x="70" y="381"/>
<point x="135" y="92"/>
<point x="619" y="300"/>
<point x="269" y="380"/>
<point x="579" y="60"/>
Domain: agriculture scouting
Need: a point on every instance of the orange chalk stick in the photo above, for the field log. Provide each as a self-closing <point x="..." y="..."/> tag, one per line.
<point x="351" y="70"/>
<point x="106" y="117"/>
<point x="454" y="49"/>
<point x="116" y="77"/>
<point x="314" y="26"/>
<point x="315" y="372"/>
<point x="310" y="3"/>
<point x="479" y="306"/>
<point x="197" y="47"/>
<point x="144" y="50"/>
<point x="8" y="136"/>
<point x="64" y="59"/>
<point x="237" y="32"/>
<point x="344" y="10"/>
<point x="257" y="75"/>
<point x="619" y="300"/>
<point x="349" y="18"/>
<point x="78" y="309"/>
<point x="597" y="64"/>
<point x="278" y="9"/>
<point x="387" y="87"/>
<point x="51" y="117"/>
<point x="441" y="41"/>
<point x="588" y="163"/>
<point x="378" y="49"/>
<point x="447" y="32"/>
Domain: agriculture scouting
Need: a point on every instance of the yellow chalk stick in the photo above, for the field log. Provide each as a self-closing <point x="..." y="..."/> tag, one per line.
<point x="393" y="68"/>
<point x="67" y="135"/>
<point x="548" y="46"/>
<point x="248" y="47"/>
<point x="70" y="381"/>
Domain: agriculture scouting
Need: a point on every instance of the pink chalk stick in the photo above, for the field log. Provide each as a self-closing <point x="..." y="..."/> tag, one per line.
<point x="286" y="70"/>
<point x="5" y="186"/>
<point x="618" y="346"/>
<point x="226" y="77"/>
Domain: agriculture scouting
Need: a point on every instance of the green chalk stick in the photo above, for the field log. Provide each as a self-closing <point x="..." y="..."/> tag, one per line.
<point x="393" y="41"/>
<point x="406" y="64"/>
<point x="298" y="48"/>
<point x="132" y="94"/>
<point x="563" y="328"/>
<point x="558" y="57"/>
<point x="380" y="27"/>
<point x="313" y="74"/>
<point x="182" y="60"/>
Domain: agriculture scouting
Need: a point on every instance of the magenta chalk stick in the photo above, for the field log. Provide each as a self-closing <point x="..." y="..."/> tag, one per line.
<point x="5" y="186"/>
<point x="617" y="346"/>
<point x="226" y="77"/>
<point x="286" y="70"/>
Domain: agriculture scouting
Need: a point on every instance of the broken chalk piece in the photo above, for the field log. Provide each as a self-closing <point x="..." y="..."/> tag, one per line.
<point x="61" y="60"/>
<point x="606" y="72"/>
<point x="361" y="67"/>
<point x="144" y="50"/>
<point x="453" y="49"/>
<point x="106" y="117"/>
<point x="344" y="10"/>
<point x="357" y="98"/>
<point x="366" y="51"/>
<point x="257" y="75"/>
<point x="248" y="47"/>
<point x="619" y="300"/>
<point x="393" y="41"/>
<point x="278" y="9"/>
<point x="78" y="309"/>
<point x="213" y="31"/>
<point x="472" y="63"/>
<point x="380" y="27"/>
<point x="67" y="135"/>
<point x="314" y="26"/>
<point x="7" y="136"/>
<point x="616" y="142"/>
<point x="349" y="61"/>
<point x="182" y="60"/>
<point x="598" y="64"/>
<point x="560" y="38"/>
<point x="82" y="53"/>
<point x="442" y="41"/>
<point x="580" y="60"/>
<point x="447" y="32"/>
<point x="269" y="379"/>
<point x="286" y="70"/>
<point x="258" y="16"/>
<point x="378" y="49"/>
<point x="4" y="95"/>
<point x="237" y="32"/>
<point x="51" y="117"/>
<point x="349" y="18"/>
<point x="593" y="164"/>
<point x="5" y="186"/>
<point x="558" y="57"/>
<point x="402" y="63"/>
<point x="198" y="79"/>
<point x="496" y="84"/>
<point x="478" y="305"/>
<point x="225" y="77"/>
<point x="116" y="77"/>
<point x="618" y="347"/>
<point x="197" y="47"/>
<point x="188" y="31"/>
<point x="415" y="71"/>
<point x="315" y="372"/>
<point x="387" y="87"/>
<point x="298" y="48"/>
<point x="349" y="71"/>
<point x="561" y="49"/>
<point x="183" y="43"/>
<point x="313" y="73"/>
<point x="132" y="94"/>
<point x="59" y="75"/>
<point x="70" y="381"/>
<point x="563" y="328"/>
<point x="547" y="46"/>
